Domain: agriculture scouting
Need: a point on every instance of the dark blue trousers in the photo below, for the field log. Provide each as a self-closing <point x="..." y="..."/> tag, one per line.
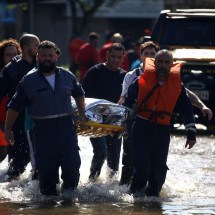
<point x="150" y="148"/>
<point x="56" y="146"/>
<point x="105" y="147"/>
<point x="18" y="153"/>
<point x="127" y="156"/>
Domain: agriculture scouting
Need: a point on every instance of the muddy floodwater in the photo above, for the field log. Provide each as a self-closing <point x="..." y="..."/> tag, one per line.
<point x="189" y="187"/>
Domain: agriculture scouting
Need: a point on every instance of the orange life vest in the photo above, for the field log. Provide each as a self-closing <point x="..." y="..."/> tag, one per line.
<point x="159" y="106"/>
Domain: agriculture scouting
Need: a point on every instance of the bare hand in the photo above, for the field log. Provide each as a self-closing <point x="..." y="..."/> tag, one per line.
<point x="207" y="112"/>
<point x="9" y="137"/>
<point x="121" y="100"/>
<point x="190" y="143"/>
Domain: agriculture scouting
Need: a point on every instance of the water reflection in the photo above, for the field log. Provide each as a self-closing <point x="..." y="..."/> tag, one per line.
<point x="67" y="207"/>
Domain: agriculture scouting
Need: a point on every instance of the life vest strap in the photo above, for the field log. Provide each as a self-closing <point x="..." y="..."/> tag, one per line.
<point x="155" y="114"/>
<point x="150" y="93"/>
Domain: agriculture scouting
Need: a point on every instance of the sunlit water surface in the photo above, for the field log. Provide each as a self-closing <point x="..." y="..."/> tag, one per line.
<point x="189" y="187"/>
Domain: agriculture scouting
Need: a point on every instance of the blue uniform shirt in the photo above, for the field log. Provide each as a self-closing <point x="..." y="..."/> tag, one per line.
<point x="41" y="100"/>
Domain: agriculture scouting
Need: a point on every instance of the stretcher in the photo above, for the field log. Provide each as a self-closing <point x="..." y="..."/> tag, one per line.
<point x="104" y="118"/>
<point x="94" y="129"/>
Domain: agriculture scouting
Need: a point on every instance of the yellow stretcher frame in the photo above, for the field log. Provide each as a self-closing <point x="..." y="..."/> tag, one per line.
<point x="94" y="129"/>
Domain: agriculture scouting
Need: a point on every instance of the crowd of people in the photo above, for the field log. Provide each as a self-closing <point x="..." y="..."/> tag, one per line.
<point x="39" y="125"/>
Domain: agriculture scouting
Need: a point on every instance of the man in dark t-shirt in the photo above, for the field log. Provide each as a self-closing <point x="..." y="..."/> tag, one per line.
<point x="104" y="81"/>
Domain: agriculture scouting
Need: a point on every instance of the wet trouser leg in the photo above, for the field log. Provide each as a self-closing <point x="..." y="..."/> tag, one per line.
<point x="46" y="158"/>
<point x="70" y="160"/>
<point x="18" y="153"/>
<point x="158" y="160"/>
<point x="127" y="156"/>
<point x="113" y="153"/>
<point x="142" y="134"/>
<point x="56" y="145"/>
<point x="99" y="155"/>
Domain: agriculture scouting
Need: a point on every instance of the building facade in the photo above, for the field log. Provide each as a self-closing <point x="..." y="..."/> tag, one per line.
<point x="51" y="19"/>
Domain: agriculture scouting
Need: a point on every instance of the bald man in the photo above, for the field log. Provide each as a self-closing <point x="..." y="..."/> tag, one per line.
<point x="158" y="91"/>
<point x="10" y="77"/>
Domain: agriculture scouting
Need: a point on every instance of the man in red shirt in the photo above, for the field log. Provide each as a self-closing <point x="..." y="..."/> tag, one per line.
<point x="74" y="45"/>
<point x="88" y="54"/>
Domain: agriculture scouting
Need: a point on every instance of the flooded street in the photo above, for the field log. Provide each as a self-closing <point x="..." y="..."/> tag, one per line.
<point x="189" y="188"/>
